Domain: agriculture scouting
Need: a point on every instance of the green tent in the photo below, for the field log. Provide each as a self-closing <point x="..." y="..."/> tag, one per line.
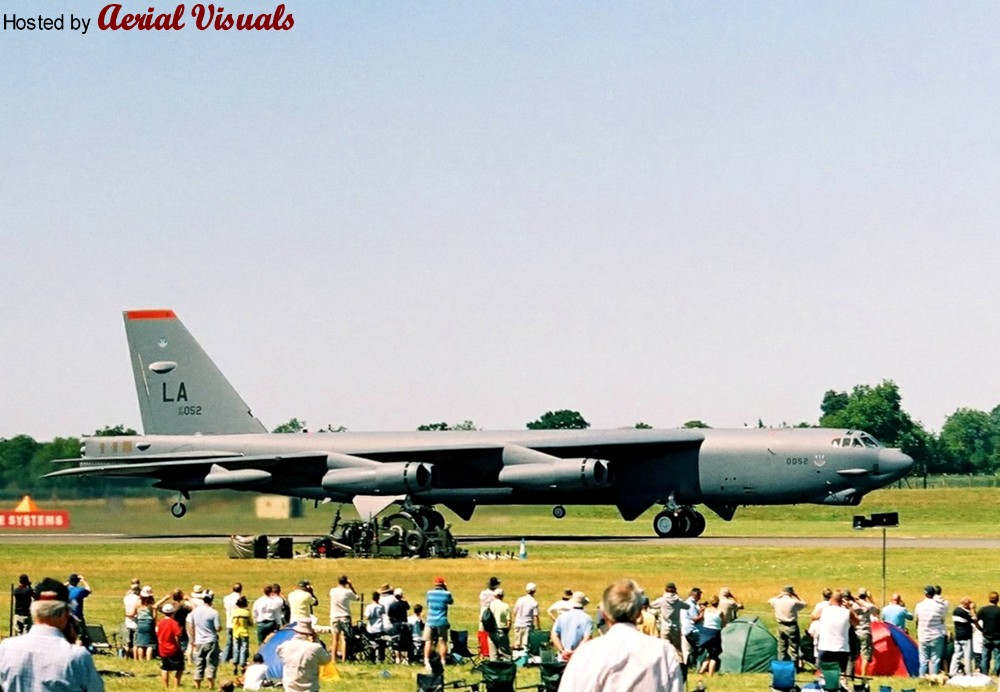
<point x="747" y="647"/>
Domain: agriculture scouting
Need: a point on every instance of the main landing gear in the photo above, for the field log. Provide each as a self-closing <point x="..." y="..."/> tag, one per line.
<point x="681" y="522"/>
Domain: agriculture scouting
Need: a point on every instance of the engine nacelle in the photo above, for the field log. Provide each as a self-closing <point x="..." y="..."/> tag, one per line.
<point x="558" y="474"/>
<point x="395" y="478"/>
<point x="220" y="477"/>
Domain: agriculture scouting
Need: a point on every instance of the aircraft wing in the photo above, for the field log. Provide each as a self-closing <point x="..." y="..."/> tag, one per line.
<point x="160" y="465"/>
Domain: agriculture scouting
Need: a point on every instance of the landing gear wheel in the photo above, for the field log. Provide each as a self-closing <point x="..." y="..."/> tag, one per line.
<point x="665" y="524"/>
<point x="178" y="509"/>
<point x="559" y="511"/>
<point x="413" y="541"/>
<point x="685" y="520"/>
<point x="403" y="520"/>
<point x="697" y="523"/>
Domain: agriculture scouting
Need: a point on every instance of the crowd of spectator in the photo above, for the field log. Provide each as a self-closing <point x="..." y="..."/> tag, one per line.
<point x="185" y="630"/>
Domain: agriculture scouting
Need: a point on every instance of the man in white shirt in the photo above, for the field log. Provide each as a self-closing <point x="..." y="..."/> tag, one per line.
<point x="267" y="614"/>
<point x="560" y="606"/>
<point x="525" y="617"/>
<point x="131" y="603"/>
<point x="302" y="657"/>
<point x="624" y="658"/>
<point x="931" y="633"/>
<point x="341" y="597"/>
<point x="204" y="621"/>
<point x="228" y="604"/>
<point x="833" y="640"/>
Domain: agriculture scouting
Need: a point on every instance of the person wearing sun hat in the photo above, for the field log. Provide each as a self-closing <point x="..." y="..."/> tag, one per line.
<point x="572" y="628"/>
<point x="302" y="656"/>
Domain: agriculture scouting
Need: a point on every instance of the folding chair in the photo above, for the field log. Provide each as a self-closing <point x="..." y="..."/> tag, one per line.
<point x="551" y="673"/>
<point x="537" y="640"/>
<point x="783" y="676"/>
<point x="831" y="676"/>
<point x="460" y="645"/>
<point x="99" y="640"/>
<point x="434" y="682"/>
<point x="498" y="676"/>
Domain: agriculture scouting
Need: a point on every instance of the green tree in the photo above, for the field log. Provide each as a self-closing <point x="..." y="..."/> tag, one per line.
<point x="464" y="425"/>
<point x="563" y="419"/>
<point x="294" y="425"/>
<point x="116" y="431"/>
<point x="331" y="429"/>
<point x="643" y="426"/>
<point x="833" y="402"/>
<point x="696" y="424"/>
<point x="969" y="441"/>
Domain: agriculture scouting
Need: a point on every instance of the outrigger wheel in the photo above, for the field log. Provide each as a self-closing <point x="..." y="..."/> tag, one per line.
<point x="178" y="509"/>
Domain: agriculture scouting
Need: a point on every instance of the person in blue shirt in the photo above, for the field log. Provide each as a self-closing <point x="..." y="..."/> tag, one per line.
<point x="573" y="627"/>
<point x="896" y="613"/>
<point x="79" y="589"/>
<point x="438" y="600"/>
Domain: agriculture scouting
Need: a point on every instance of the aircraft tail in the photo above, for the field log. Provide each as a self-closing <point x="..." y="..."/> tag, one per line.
<point x="181" y="391"/>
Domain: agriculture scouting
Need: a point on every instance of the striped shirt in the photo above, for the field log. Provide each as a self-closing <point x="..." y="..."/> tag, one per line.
<point x="438" y="601"/>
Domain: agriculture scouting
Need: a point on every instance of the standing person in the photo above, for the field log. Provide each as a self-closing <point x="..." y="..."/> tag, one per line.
<point x="374" y="612"/>
<point x="729" y="604"/>
<point x="44" y="658"/>
<point x="439" y="600"/>
<point x="182" y="608"/>
<point x="301" y="602"/>
<point x="896" y="613"/>
<point x="560" y="606"/>
<point x="572" y="628"/>
<point x="931" y="632"/>
<point x="228" y="605"/>
<point x="624" y="658"/>
<point x="787" y="606"/>
<point x="397" y="610"/>
<point x="964" y="621"/>
<point x="865" y="610"/>
<point x="145" y="625"/>
<point x="833" y="640"/>
<point x="302" y="656"/>
<point x="131" y="602"/>
<point x="341" y="597"/>
<point x="690" y="617"/>
<point x="525" y="617"/>
<point x="281" y="604"/>
<point x="242" y="622"/>
<point x="670" y="606"/>
<point x="79" y="590"/>
<point x="168" y="640"/>
<point x="205" y="622"/>
<point x="712" y="622"/>
<point x="267" y="614"/>
<point x="500" y="636"/>
<point x="989" y="622"/>
<point x="486" y="597"/>
<point x="386" y="597"/>
<point x="23" y="597"/>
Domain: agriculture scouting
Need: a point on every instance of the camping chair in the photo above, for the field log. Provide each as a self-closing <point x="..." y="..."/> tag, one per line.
<point x="434" y="682"/>
<point x="99" y="640"/>
<point x="498" y="676"/>
<point x="783" y="676"/>
<point x="551" y="673"/>
<point x="460" y="646"/>
<point x="831" y="676"/>
<point x="537" y="640"/>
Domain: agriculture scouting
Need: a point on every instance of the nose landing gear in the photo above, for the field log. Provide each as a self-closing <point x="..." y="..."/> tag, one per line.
<point x="682" y="522"/>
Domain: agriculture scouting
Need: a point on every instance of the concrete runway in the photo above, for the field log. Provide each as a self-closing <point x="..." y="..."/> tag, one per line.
<point x="509" y="542"/>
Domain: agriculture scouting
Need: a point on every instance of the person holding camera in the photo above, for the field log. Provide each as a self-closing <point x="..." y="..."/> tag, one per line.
<point x="787" y="606"/>
<point x="301" y="602"/>
<point x="302" y="656"/>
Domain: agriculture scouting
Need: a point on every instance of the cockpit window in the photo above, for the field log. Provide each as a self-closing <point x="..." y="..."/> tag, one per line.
<point x="856" y="440"/>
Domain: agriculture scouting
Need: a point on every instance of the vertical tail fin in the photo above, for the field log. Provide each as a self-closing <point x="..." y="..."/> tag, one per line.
<point x="181" y="391"/>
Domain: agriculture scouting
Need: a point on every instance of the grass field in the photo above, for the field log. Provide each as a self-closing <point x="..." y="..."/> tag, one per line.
<point x="754" y="574"/>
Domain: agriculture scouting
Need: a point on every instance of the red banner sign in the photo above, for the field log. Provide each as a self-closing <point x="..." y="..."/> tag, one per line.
<point x="56" y="519"/>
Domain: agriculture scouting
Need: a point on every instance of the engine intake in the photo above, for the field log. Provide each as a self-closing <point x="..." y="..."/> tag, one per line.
<point x="395" y="478"/>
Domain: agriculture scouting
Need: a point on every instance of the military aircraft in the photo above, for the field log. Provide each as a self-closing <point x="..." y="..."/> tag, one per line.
<point x="201" y="435"/>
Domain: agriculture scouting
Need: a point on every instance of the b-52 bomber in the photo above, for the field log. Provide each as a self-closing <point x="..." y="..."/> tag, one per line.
<point x="201" y="435"/>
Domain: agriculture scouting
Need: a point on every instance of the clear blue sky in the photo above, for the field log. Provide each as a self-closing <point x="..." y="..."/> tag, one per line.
<point x="398" y="213"/>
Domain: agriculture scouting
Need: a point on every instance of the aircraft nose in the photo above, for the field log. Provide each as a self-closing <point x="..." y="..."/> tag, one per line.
<point x="894" y="462"/>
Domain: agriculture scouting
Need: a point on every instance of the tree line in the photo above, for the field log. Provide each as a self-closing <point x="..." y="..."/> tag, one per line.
<point x="969" y="441"/>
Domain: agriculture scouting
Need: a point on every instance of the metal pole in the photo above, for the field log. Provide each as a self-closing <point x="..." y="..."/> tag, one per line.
<point x="883" y="566"/>
<point x="10" y="620"/>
